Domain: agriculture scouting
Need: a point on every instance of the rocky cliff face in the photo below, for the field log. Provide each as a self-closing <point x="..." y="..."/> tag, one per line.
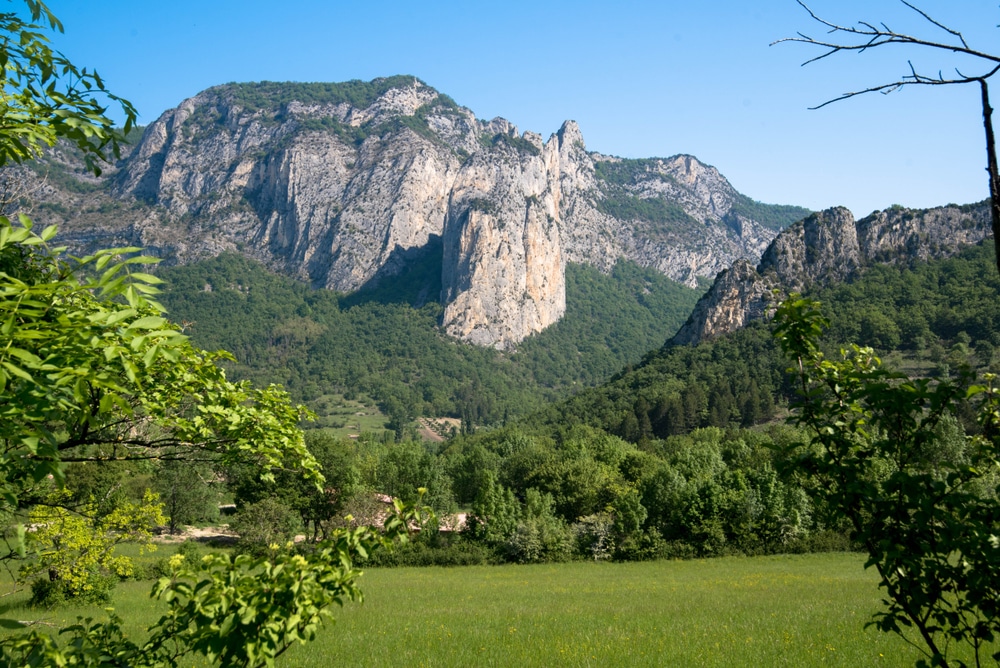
<point x="344" y="184"/>
<point x="828" y="247"/>
<point x="504" y="273"/>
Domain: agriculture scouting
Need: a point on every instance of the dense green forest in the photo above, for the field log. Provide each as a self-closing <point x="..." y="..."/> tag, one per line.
<point x="679" y="455"/>
<point x="924" y="316"/>
<point x="385" y="343"/>
<point x="665" y="460"/>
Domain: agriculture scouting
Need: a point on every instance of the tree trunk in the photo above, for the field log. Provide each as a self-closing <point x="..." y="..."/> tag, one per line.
<point x="991" y="167"/>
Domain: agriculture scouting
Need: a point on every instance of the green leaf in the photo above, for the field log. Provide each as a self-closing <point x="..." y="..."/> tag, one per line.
<point x="17" y="371"/>
<point x="148" y="322"/>
<point x="49" y="232"/>
<point x="146" y="278"/>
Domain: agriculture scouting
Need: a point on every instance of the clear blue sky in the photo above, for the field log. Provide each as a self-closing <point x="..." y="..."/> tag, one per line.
<point x="641" y="78"/>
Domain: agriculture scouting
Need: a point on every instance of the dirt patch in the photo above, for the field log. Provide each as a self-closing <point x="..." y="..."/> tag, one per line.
<point x="439" y="429"/>
<point x="217" y="534"/>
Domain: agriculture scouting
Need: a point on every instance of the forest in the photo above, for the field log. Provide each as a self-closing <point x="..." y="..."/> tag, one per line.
<point x="678" y="456"/>
<point x="384" y="342"/>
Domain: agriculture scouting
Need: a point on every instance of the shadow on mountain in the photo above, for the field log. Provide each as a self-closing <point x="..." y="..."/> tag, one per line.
<point x="410" y="276"/>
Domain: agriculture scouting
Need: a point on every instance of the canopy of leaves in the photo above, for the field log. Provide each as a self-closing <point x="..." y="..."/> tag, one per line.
<point x="921" y="500"/>
<point x="85" y="376"/>
<point x="45" y="98"/>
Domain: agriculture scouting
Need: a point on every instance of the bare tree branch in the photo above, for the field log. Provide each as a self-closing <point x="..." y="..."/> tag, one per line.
<point x="864" y="36"/>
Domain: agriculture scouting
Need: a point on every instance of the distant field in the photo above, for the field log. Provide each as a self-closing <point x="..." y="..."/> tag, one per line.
<point x="769" y="611"/>
<point x="348" y="417"/>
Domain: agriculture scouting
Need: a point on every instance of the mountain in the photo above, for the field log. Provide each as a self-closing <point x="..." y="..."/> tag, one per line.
<point x="825" y="248"/>
<point x="345" y="185"/>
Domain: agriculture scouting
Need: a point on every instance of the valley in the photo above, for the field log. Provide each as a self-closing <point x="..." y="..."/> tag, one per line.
<point x="572" y="351"/>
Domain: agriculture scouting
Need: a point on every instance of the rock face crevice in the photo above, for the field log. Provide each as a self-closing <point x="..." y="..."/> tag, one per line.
<point x="829" y="247"/>
<point x="341" y="184"/>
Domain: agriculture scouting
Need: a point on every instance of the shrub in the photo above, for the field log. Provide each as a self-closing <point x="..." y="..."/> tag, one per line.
<point x="267" y="522"/>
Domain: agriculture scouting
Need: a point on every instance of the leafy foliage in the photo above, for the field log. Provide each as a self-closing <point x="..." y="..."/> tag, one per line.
<point x="186" y="491"/>
<point x="231" y="610"/>
<point x="46" y="98"/>
<point x="75" y="550"/>
<point x="83" y="377"/>
<point x="923" y="502"/>
<point x="86" y="378"/>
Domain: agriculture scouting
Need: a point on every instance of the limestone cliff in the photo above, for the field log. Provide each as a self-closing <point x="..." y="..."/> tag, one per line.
<point x="504" y="273"/>
<point x="345" y="184"/>
<point x="828" y="247"/>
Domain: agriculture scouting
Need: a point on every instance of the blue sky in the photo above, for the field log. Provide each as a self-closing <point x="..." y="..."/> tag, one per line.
<point x="641" y="78"/>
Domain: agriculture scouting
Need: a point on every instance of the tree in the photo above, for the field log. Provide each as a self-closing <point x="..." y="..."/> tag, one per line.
<point x="888" y="455"/>
<point x="86" y="378"/>
<point x="91" y="371"/>
<point x="187" y="492"/>
<point x="232" y="610"/>
<point x="45" y="98"/>
<point x="866" y="36"/>
<point x="75" y="549"/>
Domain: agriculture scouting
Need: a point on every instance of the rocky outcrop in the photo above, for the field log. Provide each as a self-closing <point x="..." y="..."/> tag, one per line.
<point x="504" y="273"/>
<point x="738" y="296"/>
<point x="825" y="248"/>
<point x="344" y="185"/>
<point x="320" y="191"/>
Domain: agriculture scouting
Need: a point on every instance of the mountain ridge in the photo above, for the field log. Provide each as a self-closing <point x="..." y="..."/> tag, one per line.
<point x="346" y="184"/>
<point x="828" y="247"/>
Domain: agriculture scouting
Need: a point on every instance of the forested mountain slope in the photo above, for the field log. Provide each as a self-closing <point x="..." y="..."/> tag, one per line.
<point x="385" y="342"/>
<point x="826" y="248"/>
<point x="931" y="316"/>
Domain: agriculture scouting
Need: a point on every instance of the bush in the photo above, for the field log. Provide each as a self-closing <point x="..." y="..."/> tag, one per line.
<point x="826" y="540"/>
<point x="457" y="552"/>
<point x="48" y="593"/>
<point x="264" y="523"/>
<point x="161" y="567"/>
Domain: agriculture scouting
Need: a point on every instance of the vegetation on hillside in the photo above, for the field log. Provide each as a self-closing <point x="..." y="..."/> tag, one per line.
<point x="98" y="389"/>
<point x="935" y="317"/>
<point x="103" y="400"/>
<point x="666" y="460"/>
<point x="385" y="342"/>
<point x="619" y="177"/>
<point x="271" y="95"/>
<point x="772" y="216"/>
<point x="663" y="215"/>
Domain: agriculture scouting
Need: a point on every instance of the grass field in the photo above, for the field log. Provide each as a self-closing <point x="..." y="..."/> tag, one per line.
<point x="805" y="610"/>
<point x="345" y="417"/>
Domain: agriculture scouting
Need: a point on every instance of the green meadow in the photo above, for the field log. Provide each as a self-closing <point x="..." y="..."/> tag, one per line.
<point x="807" y="610"/>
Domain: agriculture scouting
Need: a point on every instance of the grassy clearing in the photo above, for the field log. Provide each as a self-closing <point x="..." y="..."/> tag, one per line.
<point x="793" y="610"/>
<point x="789" y="610"/>
<point x="345" y="417"/>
